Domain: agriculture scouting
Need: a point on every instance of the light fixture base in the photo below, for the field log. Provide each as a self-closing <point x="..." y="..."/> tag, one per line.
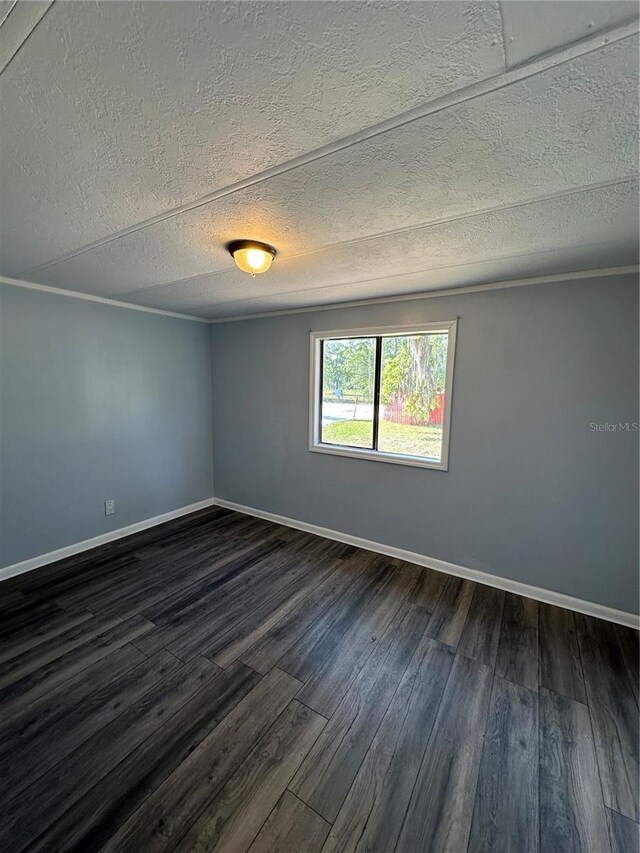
<point x="234" y="245"/>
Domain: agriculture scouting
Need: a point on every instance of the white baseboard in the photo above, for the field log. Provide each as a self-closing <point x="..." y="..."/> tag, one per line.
<point x="102" y="539"/>
<point x="547" y="596"/>
<point x="538" y="593"/>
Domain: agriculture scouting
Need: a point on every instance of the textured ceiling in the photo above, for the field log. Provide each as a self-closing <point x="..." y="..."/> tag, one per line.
<point x="383" y="148"/>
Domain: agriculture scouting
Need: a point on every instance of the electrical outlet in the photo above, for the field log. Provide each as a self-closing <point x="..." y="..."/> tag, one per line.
<point x="109" y="507"/>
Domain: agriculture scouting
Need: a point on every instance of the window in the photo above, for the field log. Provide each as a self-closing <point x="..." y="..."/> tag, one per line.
<point x="383" y="394"/>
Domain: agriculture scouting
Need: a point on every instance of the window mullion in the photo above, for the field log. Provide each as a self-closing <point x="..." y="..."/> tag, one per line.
<point x="376" y="391"/>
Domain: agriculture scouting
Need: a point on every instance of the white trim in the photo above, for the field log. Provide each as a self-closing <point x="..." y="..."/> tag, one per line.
<point x="435" y="293"/>
<point x="448" y="327"/>
<point x="333" y="306"/>
<point x="558" y="599"/>
<point x="114" y="303"/>
<point x="379" y="456"/>
<point x="443" y="326"/>
<point x="102" y="539"/>
<point x="599" y="611"/>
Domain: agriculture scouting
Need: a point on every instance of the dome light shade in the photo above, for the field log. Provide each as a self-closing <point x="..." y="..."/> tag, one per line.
<point x="252" y="256"/>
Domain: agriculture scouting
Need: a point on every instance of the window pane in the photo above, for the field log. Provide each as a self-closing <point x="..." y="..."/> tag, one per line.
<point x="348" y="367"/>
<point x="412" y="395"/>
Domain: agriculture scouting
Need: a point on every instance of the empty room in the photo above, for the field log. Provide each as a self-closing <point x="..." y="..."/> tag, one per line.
<point x="319" y="462"/>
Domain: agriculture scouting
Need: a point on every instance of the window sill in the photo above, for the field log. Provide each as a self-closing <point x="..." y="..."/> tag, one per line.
<point x="378" y="456"/>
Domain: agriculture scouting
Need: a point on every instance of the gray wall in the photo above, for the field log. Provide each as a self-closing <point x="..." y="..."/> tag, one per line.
<point x="96" y="402"/>
<point x="531" y="493"/>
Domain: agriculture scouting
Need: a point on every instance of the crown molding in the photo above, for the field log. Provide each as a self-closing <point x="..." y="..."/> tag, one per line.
<point x="312" y="309"/>
<point x="432" y="294"/>
<point x="113" y="303"/>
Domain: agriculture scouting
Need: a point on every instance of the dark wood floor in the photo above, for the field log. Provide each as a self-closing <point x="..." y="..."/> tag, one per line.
<point x="223" y="683"/>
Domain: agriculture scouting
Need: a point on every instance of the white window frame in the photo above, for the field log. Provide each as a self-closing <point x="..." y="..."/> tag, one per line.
<point x="448" y="327"/>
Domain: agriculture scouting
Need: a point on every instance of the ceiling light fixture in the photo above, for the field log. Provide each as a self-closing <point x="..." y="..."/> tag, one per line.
<point x="251" y="256"/>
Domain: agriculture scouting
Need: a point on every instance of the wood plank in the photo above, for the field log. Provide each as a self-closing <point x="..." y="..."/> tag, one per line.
<point x="305" y="656"/>
<point x="25" y="639"/>
<point x="189" y="629"/>
<point x="166" y="576"/>
<point x="44" y="801"/>
<point x="560" y="665"/>
<point x="628" y="642"/>
<point x="188" y="580"/>
<point x="96" y="816"/>
<point x="269" y="611"/>
<point x="506" y="814"/>
<point x="52" y="586"/>
<point x="428" y="589"/>
<point x="100" y="594"/>
<point x="614" y="714"/>
<point x="223" y="619"/>
<point x="44" y="578"/>
<point x="240" y="525"/>
<point x="233" y="819"/>
<point x="166" y="815"/>
<point x="84" y="595"/>
<point x="30" y="721"/>
<point x="372" y="814"/>
<point x="270" y="648"/>
<point x="11" y="600"/>
<point x="174" y="541"/>
<point x="450" y="611"/>
<point x="518" y="648"/>
<point x="624" y="833"/>
<point x="441" y="808"/>
<point x="34" y="685"/>
<point x="40" y="655"/>
<point x="325" y="777"/>
<point x="103" y="768"/>
<point x="100" y="560"/>
<point x="291" y="826"/>
<point x="267" y="617"/>
<point x="330" y="682"/>
<point x="231" y="568"/>
<point x="188" y="526"/>
<point x="572" y="816"/>
<point x="481" y="632"/>
<point x="26" y="616"/>
<point x="61" y="738"/>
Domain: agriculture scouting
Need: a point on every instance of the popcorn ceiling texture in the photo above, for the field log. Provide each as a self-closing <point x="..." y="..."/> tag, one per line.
<point x="120" y="112"/>
<point x="148" y="105"/>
